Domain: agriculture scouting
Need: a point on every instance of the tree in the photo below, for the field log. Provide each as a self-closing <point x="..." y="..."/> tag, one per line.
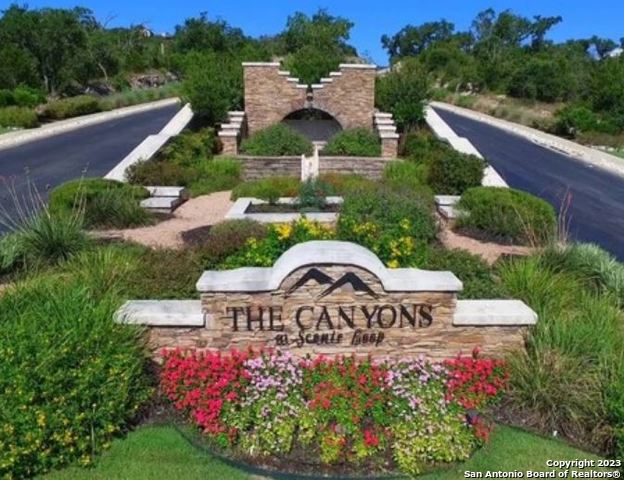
<point x="321" y="31"/>
<point x="201" y="34"/>
<point x="403" y="92"/>
<point x="52" y="36"/>
<point x="410" y="40"/>
<point x="315" y="45"/>
<point x="212" y="84"/>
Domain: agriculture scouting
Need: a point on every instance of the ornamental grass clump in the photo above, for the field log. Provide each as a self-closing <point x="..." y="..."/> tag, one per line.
<point x="571" y="374"/>
<point x="407" y="414"/>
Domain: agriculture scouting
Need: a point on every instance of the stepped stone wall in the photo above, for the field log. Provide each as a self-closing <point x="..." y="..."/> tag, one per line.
<point x="271" y="94"/>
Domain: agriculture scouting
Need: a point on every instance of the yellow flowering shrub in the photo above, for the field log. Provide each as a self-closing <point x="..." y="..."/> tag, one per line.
<point x="70" y="378"/>
<point x="264" y="252"/>
<point x="397" y="226"/>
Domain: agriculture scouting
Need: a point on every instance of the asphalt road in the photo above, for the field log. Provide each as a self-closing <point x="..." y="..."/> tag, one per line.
<point x="90" y="151"/>
<point x="596" y="212"/>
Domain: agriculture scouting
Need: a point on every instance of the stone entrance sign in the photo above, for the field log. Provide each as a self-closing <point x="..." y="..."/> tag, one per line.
<point x="329" y="297"/>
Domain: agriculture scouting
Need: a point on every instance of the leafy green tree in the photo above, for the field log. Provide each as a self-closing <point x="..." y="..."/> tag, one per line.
<point x="17" y="66"/>
<point x="411" y="40"/>
<point x="212" y="84"/>
<point x="403" y="92"/>
<point x="607" y="89"/>
<point x="201" y="34"/>
<point x="315" y="45"/>
<point x="52" y="36"/>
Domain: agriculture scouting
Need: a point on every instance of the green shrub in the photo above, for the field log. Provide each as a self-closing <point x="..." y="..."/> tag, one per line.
<point x="508" y="215"/>
<point x="68" y="196"/>
<point x="21" y="96"/>
<point x="453" y="173"/>
<point x="312" y="194"/>
<point x="476" y="275"/>
<point x="573" y="120"/>
<point x="152" y="172"/>
<point x="71" y="107"/>
<point x="342" y="183"/>
<point x="189" y="147"/>
<point x="269" y="189"/>
<point x="395" y="225"/>
<point x="422" y="146"/>
<point x="106" y="203"/>
<point x="24" y="96"/>
<point x="357" y="142"/>
<point x="277" y="140"/>
<point x="226" y="238"/>
<point x="162" y="273"/>
<point x="70" y="378"/>
<point x="404" y="174"/>
<point x="215" y="175"/>
<point x="573" y="352"/>
<point x="20" y="117"/>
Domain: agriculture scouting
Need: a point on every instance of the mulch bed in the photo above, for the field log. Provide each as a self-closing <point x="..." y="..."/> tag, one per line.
<point x="291" y="208"/>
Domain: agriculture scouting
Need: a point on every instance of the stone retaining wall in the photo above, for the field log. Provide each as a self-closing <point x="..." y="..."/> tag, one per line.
<point x="256" y="167"/>
<point x="334" y="298"/>
<point x="271" y="94"/>
<point x="433" y="335"/>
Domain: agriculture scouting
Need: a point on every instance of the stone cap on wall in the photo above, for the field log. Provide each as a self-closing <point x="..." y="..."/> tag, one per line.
<point x="362" y="66"/>
<point x="326" y="252"/>
<point x="261" y="64"/>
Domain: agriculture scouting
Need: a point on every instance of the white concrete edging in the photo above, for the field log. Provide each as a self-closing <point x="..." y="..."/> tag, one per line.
<point x="162" y="313"/>
<point x="443" y="131"/>
<point x="490" y="313"/>
<point x="239" y="209"/>
<point x="20" y="137"/>
<point x="148" y="147"/>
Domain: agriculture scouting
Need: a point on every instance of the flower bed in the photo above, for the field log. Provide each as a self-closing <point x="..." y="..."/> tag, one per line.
<point x="340" y="412"/>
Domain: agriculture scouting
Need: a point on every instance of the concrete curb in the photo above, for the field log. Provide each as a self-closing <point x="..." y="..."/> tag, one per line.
<point x="588" y="155"/>
<point x="148" y="147"/>
<point x="20" y="137"/>
<point x="443" y="131"/>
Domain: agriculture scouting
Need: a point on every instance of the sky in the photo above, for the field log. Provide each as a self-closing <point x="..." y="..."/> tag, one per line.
<point x="372" y="18"/>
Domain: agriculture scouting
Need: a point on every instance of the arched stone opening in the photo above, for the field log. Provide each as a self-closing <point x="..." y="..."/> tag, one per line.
<point x="317" y="125"/>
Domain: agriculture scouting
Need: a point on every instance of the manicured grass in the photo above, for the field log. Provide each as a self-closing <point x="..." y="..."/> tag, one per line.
<point x="151" y="453"/>
<point x="161" y="452"/>
<point x="619" y="152"/>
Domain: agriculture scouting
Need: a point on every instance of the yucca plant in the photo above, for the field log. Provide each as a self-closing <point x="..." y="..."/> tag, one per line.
<point x="36" y="234"/>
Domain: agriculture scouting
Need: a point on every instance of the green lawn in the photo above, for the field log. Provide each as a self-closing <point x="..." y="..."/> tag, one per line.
<point x="161" y="452"/>
<point x="619" y="152"/>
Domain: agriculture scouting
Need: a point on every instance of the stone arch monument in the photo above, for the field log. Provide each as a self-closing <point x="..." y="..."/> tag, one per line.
<point x="271" y="95"/>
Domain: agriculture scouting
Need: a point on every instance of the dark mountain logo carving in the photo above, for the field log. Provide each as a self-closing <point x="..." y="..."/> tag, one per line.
<point x="352" y="279"/>
<point x="313" y="274"/>
<point x="321" y="278"/>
